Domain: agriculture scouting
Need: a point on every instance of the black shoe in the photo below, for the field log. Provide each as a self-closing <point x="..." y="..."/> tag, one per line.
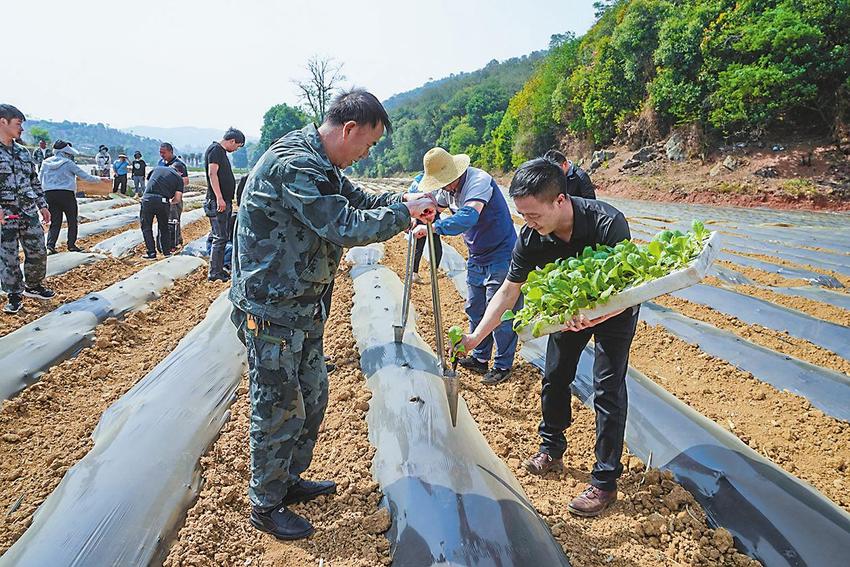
<point x="150" y="256"/>
<point x="496" y="376"/>
<point x="330" y="367"/>
<point x="473" y="364"/>
<point x="281" y="523"/>
<point x="75" y="249"/>
<point x="218" y="279"/>
<point x="13" y="305"/>
<point x="51" y="250"/>
<point x="39" y="292"/>
<point x="306" y="490"/>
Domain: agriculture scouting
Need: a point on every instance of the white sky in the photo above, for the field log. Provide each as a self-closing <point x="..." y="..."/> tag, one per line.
<point x="218" y="63"/>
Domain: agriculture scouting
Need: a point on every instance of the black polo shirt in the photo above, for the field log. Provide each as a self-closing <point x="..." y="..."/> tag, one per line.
<point x="595" y="222"/>
<point x="164" y="182"/>
<point x="227" y="183"/>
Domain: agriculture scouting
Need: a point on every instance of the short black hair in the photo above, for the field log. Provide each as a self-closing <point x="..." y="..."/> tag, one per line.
<point x="556" y="156"/>
<point x="10" y="112"/>
<point x="234" y="134"/>
<point x="59" y="144"/>
<point x="167" y="146"/>
<point x="539" y="177"/>
<point x="358" y="105"/>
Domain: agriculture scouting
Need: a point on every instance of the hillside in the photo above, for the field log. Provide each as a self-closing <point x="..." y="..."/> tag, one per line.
<point x="458" y="112"/>
<point x="87" y="137"/>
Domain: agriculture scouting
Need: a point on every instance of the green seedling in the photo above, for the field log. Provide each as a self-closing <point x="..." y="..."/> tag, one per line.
<point x="556" y="292"/>
<point x="455" y="336"/>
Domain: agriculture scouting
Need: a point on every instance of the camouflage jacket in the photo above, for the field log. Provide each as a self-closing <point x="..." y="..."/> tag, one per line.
<point x="297" y="213"/>
<point x="20" y="189"/>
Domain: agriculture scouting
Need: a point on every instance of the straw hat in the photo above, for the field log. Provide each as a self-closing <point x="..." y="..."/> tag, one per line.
<point x="441" y="168"/>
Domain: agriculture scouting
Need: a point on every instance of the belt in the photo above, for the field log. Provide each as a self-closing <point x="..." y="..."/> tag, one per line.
<point x="155" y="197"/>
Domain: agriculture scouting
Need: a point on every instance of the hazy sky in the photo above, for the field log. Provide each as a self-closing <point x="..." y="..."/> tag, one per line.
<point x="217" y="63"/>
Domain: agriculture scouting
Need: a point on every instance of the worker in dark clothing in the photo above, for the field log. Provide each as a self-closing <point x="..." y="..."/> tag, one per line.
<point x="578" y="181"/>
<point x="164" y="189"/>
<point x="560" y="226"/>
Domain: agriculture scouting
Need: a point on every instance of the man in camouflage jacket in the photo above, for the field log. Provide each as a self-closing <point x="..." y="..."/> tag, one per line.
<point x="297" y="214"/>
<point x="21" y="201"/>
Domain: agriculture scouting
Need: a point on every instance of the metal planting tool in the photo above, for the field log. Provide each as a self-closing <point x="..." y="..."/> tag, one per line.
<point x="450" y="379"/>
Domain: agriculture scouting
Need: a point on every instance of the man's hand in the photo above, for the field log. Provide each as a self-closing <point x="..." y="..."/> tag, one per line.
<point x="421" y="209"/>
<point x="2" y="216"/>
<point x="45" y="215"/>
<point x="420" y="231"/>
<point x="581" y="322"/>
<point x="221" y="205"/>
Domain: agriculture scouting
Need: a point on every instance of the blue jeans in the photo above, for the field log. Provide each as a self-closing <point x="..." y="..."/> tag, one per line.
<point x="483" y="283"/>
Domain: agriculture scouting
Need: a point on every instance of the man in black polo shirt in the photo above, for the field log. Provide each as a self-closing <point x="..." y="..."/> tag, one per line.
<point x="168" y="159"/>
<point x="559" y="226"/>
<point x="221" y="186"/>
<point x="164" y="188"/>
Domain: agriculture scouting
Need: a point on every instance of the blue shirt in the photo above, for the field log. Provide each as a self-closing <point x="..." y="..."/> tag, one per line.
<point x="120" y="166"/>
<point x="492" y="238"/>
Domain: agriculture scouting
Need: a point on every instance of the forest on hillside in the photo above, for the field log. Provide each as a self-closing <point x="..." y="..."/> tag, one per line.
<point x="722" y="68"/>
<point x="725" y="68"/>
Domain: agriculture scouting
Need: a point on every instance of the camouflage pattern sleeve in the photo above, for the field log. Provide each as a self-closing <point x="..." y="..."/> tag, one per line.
<point x="360" y="199"/>
<point x="331" y="216"/>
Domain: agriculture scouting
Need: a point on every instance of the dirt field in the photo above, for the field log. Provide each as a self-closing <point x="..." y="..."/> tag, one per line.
<point x="47" y="428"/>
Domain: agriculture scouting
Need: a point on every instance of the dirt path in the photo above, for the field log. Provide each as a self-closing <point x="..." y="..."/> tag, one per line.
<point x="776" y="340"/>
<point x="348" y="525"/>
<point x="508" y="415"/>
<point x="76" y="283"/>
<point x="762" y="277"/>
<point x="783" y="427"/>
<point x="47" y="428"/>
<point x="845" y="280"/>
<point x="816" y="309"/>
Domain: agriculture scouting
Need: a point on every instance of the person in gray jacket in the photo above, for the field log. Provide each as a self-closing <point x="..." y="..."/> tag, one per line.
<point x="58" y="178"/>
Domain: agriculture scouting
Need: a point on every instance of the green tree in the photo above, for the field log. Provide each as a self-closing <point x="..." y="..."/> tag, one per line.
<point x="39" y="134"/>
<point x="277" y="121"/>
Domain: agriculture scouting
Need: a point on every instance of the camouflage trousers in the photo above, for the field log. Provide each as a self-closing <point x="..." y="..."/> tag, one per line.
<point x="289" y="394"/>
<point x="29" y="232"/>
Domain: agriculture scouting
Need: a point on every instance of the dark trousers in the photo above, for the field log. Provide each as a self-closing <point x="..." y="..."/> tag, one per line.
<point x="157" y="207"/>
<point x="421" y="243"/>
<point x="219" y="225"/>
<point x="612" y="341"/>
<point x="119" y="183"/>
<point x="289" y="395"/>
<point x="59" y="203"/>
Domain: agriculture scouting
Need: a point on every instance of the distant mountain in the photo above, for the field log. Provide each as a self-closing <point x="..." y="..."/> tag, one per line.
<point x="87" y="137"/>
<point x="188" y="138"/>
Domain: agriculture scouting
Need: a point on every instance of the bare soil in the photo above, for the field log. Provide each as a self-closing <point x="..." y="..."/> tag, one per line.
<point x="816" y="309"/>
<point x="85" y="279"/>
<point x="348" y="525"/>
<point x="625" y="534"/>
<point x="821" y="186"/>
<point x="47" y="428"/>
<point x="778" y="341"/>
<point x="783" y="427"/>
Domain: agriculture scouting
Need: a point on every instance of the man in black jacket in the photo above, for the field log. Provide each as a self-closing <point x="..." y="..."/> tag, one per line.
<point x="578" y="181"/>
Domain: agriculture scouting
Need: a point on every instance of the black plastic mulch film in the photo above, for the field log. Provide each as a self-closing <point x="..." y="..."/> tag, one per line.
<point x="122" y="503"/>
<point x="453" y="501"/>
<point x="773" y="516"/>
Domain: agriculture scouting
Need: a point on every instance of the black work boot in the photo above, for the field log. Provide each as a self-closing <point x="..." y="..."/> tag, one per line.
<point x="281" y="522"/>
<point x="473" y="364"/>
<point x="306" y="490"/>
